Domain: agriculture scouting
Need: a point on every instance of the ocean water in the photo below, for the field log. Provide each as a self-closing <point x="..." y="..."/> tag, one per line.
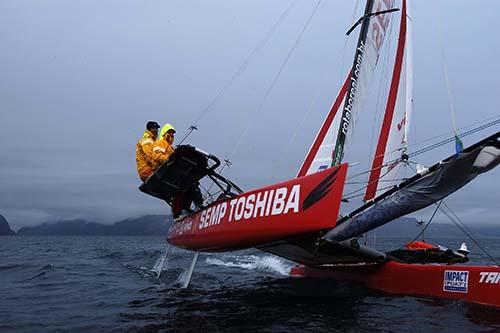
<point x="110" y="284"/>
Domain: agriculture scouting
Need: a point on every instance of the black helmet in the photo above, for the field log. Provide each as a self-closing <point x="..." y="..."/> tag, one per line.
<point x="152" y="124"/>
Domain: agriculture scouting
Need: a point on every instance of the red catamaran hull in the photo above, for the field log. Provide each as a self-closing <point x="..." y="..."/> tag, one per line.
<point x="264" y="215"/>
<point x="477" y="284"/>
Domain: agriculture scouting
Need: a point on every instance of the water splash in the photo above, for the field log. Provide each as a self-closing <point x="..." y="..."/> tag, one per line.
<point x="157" y="268"/>
<point x="252" y="262"/>
<point x="161" y="262"/>
<point x="142" y="271"/>
<point x="183" y="276"/>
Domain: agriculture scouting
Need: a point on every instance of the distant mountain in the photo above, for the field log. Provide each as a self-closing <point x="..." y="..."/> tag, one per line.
<point x="5" y="229"/>
<point x="144" y="225"/>
<point x="157" y="225"/>
<point x="149" y="225"/>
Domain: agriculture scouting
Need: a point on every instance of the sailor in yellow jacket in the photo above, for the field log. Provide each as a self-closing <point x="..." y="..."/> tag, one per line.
<point x="162" y="148"/>
<point x="144" y="151"/>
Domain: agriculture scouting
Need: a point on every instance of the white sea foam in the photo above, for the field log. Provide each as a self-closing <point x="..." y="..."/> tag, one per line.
<point x="158" y="266"/>
<point x="181" y="279"/>
<point x="252" y="262"/>
<point x="161" y="263"/>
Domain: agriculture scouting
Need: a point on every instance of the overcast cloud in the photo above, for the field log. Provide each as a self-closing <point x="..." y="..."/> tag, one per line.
<point x="79" y="79"/>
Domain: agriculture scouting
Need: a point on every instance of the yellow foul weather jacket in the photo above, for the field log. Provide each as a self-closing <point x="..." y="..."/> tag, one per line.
<point x="162" y="149"/>
<point x="144" y="155"/>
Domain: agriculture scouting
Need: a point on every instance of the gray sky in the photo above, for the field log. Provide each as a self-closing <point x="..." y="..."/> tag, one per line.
<point x="79" y="79"/>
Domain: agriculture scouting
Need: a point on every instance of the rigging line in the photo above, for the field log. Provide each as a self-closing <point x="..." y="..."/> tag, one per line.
<point x="431" y="147"/>
<point x="368" y="184"/>
<point x="438" y="144"/>
<point x="425" y="228"/>
<point x="188" y="132"/>
<point x="463" y="128"/>
<point x="379" y="167"/>
<point x="228" y="160"/>
<point x="434" y="146"/>
<point x="209" y="197"/>
<point x="464" y="134"/>
<point x="391" y="152"/>
<point x="445" y="70"/>
<point x="380" y="181"/>
<point x="259" y="109"/>
<point x="452" y="109"/>
<point x="313" y="101"/>
<point x="295" y="133"/>
<point x="378" y="190"/>
<point x="430" y="220"/>
<point x="243" y="66"/>
<point x="207" y="194"/>
<point x="465" y="230"/>
<point x="367" y="171"/>
<point x="362" y="194"/>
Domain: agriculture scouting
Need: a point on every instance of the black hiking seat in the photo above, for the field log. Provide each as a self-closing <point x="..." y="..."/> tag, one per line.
<point x="182" y="171"/>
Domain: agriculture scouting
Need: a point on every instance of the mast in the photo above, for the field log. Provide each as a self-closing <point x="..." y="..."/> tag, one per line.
<point x="387" y="124"/>
<point x="355" y="70"/>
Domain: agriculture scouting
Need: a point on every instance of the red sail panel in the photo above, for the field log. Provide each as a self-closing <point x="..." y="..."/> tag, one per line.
<point x="320" y="153"/>
<point x="261" y="216"/>
<point x="389" y="111"/>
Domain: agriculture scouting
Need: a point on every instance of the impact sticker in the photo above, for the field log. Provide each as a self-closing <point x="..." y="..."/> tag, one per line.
<point x="456" y="281"/>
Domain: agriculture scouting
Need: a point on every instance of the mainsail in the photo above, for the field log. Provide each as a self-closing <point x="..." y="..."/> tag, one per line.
<point x="372" y="35"/>
<point x="392" y="142"/>
<point x="423" y="189"/>
<point x="417" y="192"/>
<point x="332" y="134"/>
<point x="303" y="249"/>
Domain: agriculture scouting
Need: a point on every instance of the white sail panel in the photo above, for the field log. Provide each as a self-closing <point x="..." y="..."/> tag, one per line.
<point x="372" y="46"/>
<point x="409" y="69"/>
<point x="387" y="162"/>
<point x="319" y="156"/>
<point x="396" y="143"/>
<point x="364" y="65"/>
